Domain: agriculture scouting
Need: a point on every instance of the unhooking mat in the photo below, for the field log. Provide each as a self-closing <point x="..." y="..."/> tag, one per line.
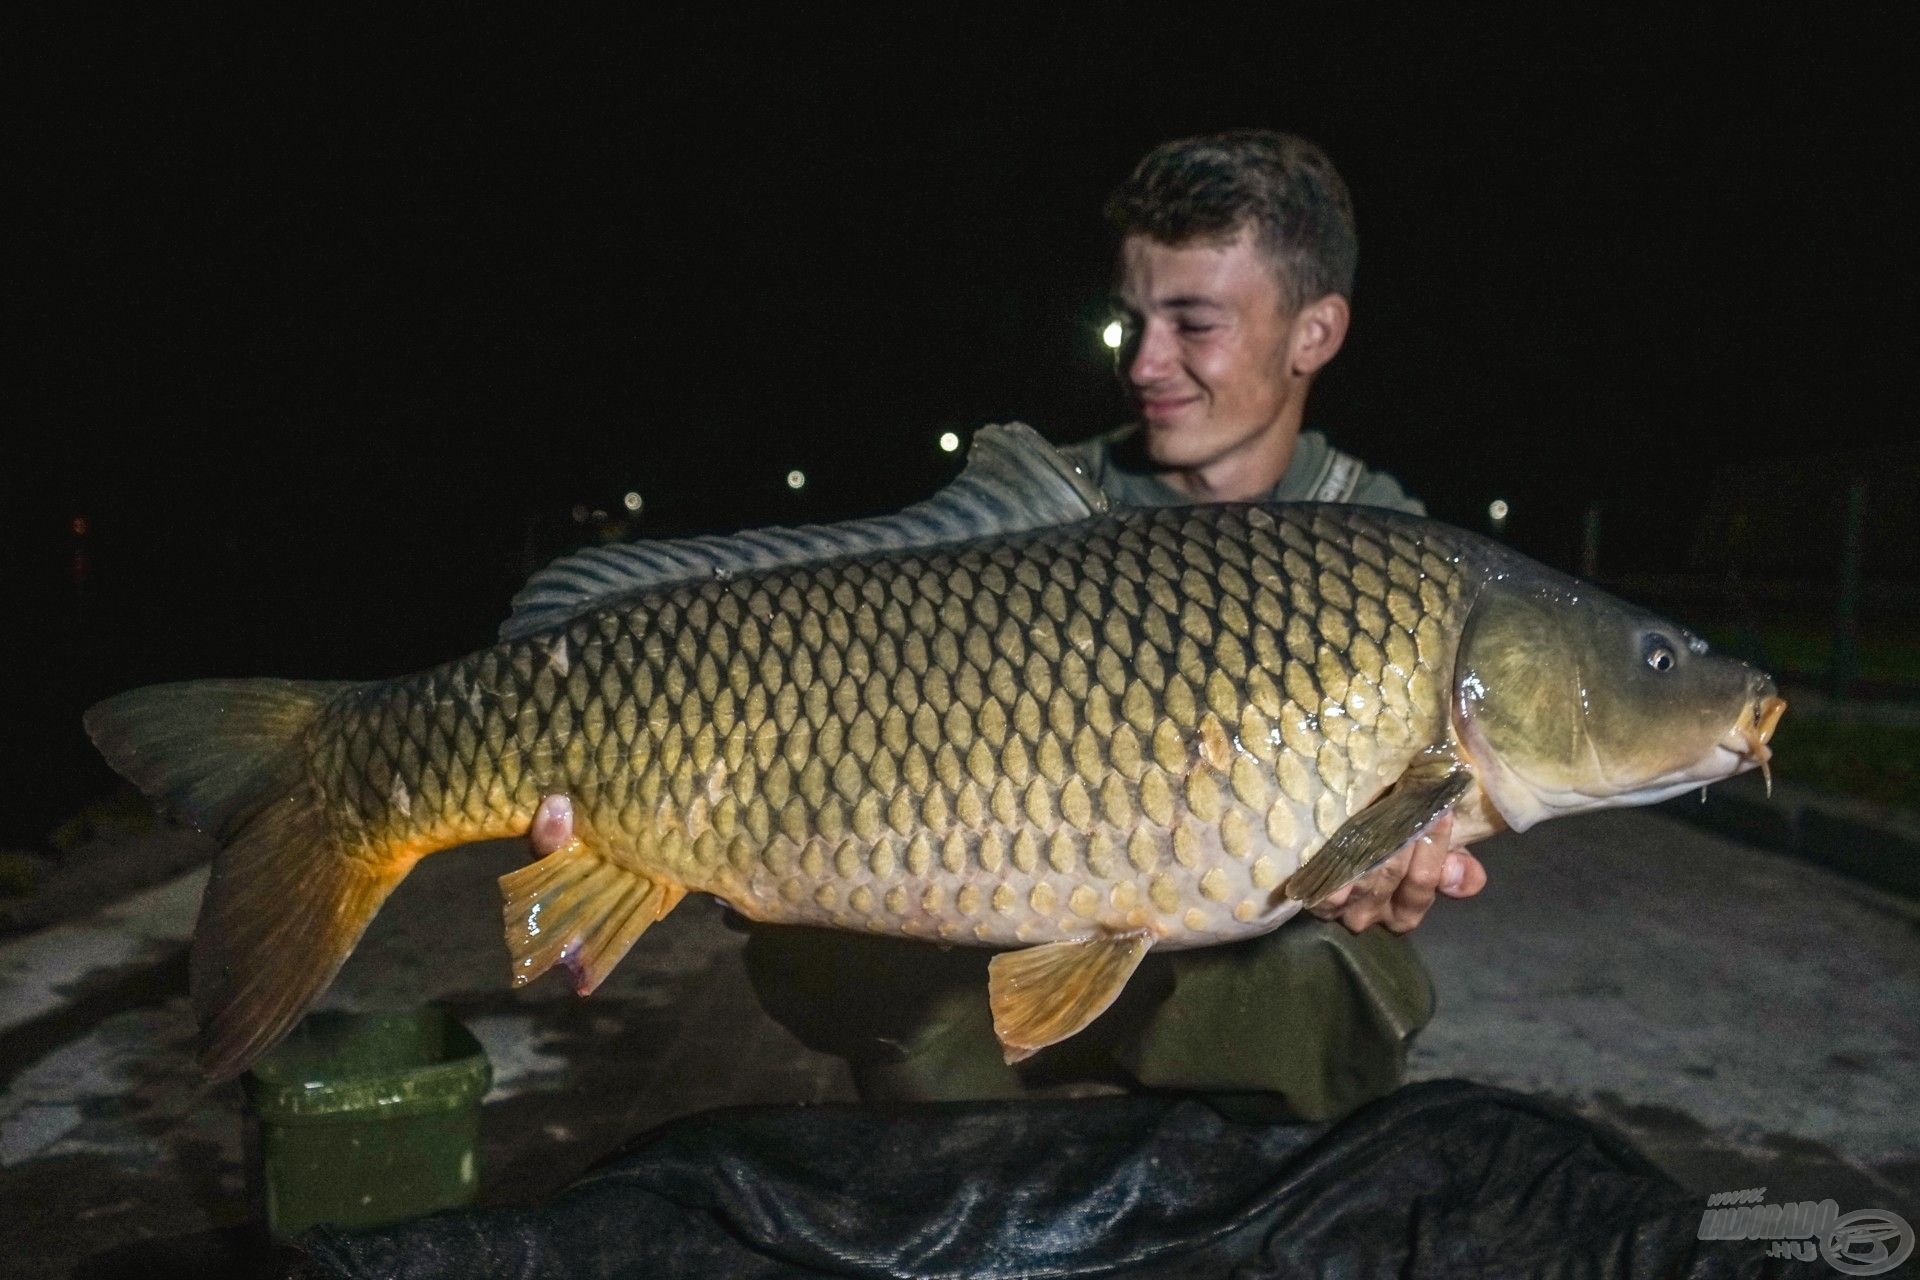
<point x="1439" y="1179"/>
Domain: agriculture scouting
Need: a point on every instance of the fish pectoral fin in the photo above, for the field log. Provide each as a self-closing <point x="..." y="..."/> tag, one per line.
<point x="1377" y="832"/>
<point x="1044" y="994"/>
<point x="578" y="908"/>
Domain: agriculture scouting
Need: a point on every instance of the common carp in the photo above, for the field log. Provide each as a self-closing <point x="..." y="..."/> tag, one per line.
<point x="1006" y="717"/>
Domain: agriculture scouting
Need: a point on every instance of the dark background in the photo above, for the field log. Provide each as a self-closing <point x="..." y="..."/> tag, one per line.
<point x="326" y="327"/>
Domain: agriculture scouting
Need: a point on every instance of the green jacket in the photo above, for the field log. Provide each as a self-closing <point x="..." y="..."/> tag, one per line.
<point x="1318" y="473"/>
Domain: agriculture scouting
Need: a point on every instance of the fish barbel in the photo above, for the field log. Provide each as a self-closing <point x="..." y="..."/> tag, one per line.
<point x="1006" y="717"/>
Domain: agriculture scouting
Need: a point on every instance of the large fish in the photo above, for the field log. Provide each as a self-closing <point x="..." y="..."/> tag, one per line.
<point x="1006" y="717"/>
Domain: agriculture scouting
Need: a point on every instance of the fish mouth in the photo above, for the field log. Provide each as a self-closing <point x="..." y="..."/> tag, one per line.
<point x="1748" y="739"/>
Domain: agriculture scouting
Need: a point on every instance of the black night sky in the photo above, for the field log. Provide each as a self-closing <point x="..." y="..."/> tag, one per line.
<point x="328" y="325"/>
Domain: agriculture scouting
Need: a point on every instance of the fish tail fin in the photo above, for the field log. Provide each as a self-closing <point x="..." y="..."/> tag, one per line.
<point x="286" y="902"/>
<point x="579" y="908"/>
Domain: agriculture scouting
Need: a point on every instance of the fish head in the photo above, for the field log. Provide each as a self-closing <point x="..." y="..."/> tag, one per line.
<point x="1567" y="699"/>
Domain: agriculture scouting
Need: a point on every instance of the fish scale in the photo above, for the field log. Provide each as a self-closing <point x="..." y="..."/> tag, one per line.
<point x="1147" y="721"/>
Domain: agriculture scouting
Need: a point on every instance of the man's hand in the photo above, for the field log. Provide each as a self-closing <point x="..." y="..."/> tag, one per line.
<point x="1398" y="892"/>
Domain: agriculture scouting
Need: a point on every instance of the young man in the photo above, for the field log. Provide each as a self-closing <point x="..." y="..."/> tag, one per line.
<point x="1236" y="266"/>
<point x="1236" y="263"/>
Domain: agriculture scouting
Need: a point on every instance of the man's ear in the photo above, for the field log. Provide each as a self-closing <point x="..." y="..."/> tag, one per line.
<point x="1318" y="332"/>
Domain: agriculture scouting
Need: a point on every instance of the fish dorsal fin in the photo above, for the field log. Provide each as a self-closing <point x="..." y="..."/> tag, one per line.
<point x="1014" y="482"/>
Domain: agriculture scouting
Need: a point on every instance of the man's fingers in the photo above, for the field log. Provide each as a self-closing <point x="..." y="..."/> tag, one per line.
<point x="1415" y="893"/>
<point x="1333" y="904"/>
<point x="1399" y="892"/>
<point x="1359" y="905"/>
<point x="1464" y="875"/>
<point x="552" y="825"/>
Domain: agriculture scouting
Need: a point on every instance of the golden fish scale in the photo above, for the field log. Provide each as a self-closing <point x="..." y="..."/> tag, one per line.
<point x="1145" y="720"/>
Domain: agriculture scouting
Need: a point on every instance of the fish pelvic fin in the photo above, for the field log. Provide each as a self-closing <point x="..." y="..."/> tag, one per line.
<point x="579" y="908"/>
<point x="285" y="902"/>
<point x="1041" y="995"/>
<point x="1377" y="832"/>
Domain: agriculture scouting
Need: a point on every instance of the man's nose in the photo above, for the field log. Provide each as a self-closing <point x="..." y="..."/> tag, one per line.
<point x="1151" y="359"/>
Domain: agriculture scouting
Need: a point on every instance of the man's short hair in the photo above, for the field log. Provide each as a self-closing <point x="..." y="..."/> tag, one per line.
<point x="1280" y="185"/>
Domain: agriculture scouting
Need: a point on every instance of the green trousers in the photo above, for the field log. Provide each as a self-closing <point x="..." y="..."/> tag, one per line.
<point x="1307" y="1022"/>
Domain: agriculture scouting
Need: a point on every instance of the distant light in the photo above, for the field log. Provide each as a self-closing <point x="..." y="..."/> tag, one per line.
<point x="579" y="513"/>
<point x="1113" y="334"/>
<point x="632" y="501"/>
<point x="796" y="479"/>
<point x="1497" y="510"/>
<point x="949" y="442"/>
<point x="80" y="525"/>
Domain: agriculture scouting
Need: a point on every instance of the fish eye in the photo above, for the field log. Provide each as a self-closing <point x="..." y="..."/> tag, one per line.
<point x="1660" y="654"/>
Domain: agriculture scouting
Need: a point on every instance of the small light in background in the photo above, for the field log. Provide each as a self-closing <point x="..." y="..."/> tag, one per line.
<point x="579" y="513"/>
<point x="796" y="479"/>
<point x="1497" y="513"/>
<point x="633" y="501"/>
<point x="1113" y="334"/>
<point x="80" y="526"/>
<point x="949" y="442"/>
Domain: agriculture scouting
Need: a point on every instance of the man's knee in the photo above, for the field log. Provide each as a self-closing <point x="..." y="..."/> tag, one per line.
<point x="1311" y="1013"/>
<point x="1319" y="1016"/>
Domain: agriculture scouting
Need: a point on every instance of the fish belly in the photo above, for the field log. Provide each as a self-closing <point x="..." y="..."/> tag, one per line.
<point x="1145" y="721"/>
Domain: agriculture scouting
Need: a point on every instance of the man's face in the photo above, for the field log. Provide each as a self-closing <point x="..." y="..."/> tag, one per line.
<point x="1208" y="354"/>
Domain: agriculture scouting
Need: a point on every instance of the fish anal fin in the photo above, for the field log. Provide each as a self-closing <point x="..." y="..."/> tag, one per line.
<point x="1041" y="995"/>
<point x="1377" y="832"/>
<point x="579" y="908"/>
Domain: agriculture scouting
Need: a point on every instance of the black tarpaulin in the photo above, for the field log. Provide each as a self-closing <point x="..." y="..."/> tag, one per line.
<point x="1440" y="1179"/>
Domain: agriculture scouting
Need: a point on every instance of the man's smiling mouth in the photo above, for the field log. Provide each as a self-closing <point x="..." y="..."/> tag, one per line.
<point x="1162" y="406"/>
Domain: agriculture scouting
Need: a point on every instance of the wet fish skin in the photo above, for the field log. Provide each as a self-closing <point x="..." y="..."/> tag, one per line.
<point x="1146" y="722"/>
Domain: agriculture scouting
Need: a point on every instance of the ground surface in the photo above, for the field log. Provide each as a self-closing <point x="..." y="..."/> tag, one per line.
<point x="1746" y="1018"/>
